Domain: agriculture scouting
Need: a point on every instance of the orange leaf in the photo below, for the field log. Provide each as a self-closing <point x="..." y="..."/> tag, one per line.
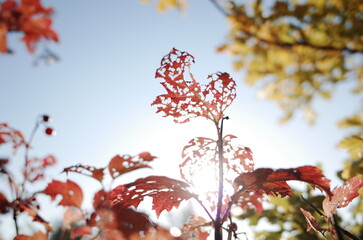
<point x="71" y="193"/>
<point x="185" y="98"/>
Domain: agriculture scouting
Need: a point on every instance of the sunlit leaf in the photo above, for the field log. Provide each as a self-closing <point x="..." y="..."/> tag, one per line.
<point x="96" y="173"/>
<point x="165" y="192"/>
<point x="274" y="181"/>
<point x="120" y="165"/>
<point x="185" y="98"/>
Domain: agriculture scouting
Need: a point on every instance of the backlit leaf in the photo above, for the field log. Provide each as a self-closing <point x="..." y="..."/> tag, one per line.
<point x="120" y="165"/>
<point x="343" y="195"/>
<point x="185" y="98"/>
<point x="312" y="224"/>
<point x="96" y="173"/>
<point x="71" y="193"/>
<point x="165" y="192"/>
<point x="274" y="181"/>
<point x="80" y="231"/>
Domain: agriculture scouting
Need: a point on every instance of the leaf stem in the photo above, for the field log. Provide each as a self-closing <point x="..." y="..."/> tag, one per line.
<point x="218" y="223"/>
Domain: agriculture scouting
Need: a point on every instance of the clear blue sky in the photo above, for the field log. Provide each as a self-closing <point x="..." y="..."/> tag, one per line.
<point x="99" y="94"/>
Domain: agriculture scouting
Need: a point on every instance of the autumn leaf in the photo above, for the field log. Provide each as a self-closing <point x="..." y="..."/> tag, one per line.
<point x="165" y="192"/>
<point x="96" y="173"/>
<point x="312" y="223"/>
<point x="28" y="17"/>
<point x="80" y="231"/>
<point x="274" y="181"/>
<point x="5" y="205"/>
<point x="120" y="165"/>
<point x="71" y="193"/>
<point x="202" y="152"/>
<point x="119" y="220"/>
<point x="11" y="135"/>
<point x="72" y="216"/>
<point x="343" y="195"/>
<point x="185" y="98"/>
<point x="193" y="228"/>
<point x="34" y="167"/>
<point x="36" y="236"/>
<point x="31" y="208"/>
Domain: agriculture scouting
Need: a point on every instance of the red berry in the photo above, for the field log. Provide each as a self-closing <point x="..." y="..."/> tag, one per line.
<point x="49" y="131"/>
<point x="46" y="118"/>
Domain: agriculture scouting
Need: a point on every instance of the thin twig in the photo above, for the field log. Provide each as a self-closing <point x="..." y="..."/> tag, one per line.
<point x="220" y="8"/>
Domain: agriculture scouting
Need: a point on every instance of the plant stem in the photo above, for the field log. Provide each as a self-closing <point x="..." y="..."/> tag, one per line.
<point x="15" y="214"/>
<point x="218" y="223"/>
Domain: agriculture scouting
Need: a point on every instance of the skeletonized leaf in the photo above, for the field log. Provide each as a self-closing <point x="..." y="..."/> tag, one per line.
<point x="165" y="192"/>
<point x="71" y="193"/>
<point x="96" y="173"/>
<point x="274" y="181"/>
<point x="343" y="195"/>
<point x="203" y="152"/>
<point x="120" y="165"/>
<point x="185" y="98"/>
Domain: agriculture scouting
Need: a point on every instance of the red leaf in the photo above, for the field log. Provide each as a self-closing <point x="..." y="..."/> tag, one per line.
<point x="80" y="231"/>
<point x="193" y="229"/>
<point x="29" y="17"/>
<point x="71" y="193"/>
<point x="72" y="216"/>
<point x="96" y="173"/>
<point x="185" y="97"/>
<point x="36" y="236"/>
<point x="3" y="162"/>
<point x="120" y="165"/>
<point x="343" y="195"/>
<point x="166" y="193"/>
<point x="100" y="199"/>
<point x="312" y="224"/>
<point x="31" y="208"/>
<point x="5" y="205"/>
<point x="274" y="181"/>
<point x="11" y="135"/>
<point x="120" y="220"/>
<point x="250" y="200"/>
<point x="34" y="167"/>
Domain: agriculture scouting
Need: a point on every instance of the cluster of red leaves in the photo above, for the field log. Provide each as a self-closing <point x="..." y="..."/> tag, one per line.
<point x="106" y="221"/>
<point x="28" y="17"/>
<point x="340" y="198"/>
<point x="186" y="98"/>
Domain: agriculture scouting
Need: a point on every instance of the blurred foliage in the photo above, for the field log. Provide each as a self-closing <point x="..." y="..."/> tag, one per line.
<point x="354" y="146"/>
<point x="163" y="5"/>
<point x="284" y="215"/>
<point x="297" y="50"/>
